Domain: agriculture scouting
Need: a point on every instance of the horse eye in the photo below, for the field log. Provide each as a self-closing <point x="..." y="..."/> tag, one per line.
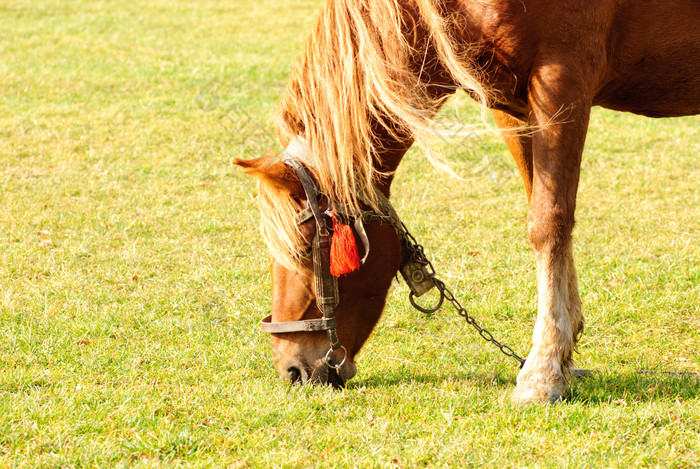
<point x="308" y="252"/>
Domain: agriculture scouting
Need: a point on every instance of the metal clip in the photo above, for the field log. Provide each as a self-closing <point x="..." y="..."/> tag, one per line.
<point x="418" y="278"/>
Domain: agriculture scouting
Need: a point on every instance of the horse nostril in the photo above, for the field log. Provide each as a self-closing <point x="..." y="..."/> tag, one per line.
<point x="293" y="374"/>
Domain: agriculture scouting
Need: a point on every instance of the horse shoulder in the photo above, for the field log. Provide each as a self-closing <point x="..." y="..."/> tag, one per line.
<point x="524" y="44"/>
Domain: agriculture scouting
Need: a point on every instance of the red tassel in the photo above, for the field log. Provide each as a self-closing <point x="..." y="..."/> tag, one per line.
<point x="344" y="255"/>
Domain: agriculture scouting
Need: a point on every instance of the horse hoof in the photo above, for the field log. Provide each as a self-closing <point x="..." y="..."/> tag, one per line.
<point x="526" y="393"/>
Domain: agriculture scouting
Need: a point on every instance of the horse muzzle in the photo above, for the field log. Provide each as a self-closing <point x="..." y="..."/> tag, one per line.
<point x="298" y="372"/>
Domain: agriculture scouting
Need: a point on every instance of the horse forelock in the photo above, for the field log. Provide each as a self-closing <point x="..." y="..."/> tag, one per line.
<point x="358" y="70"/>
<point x="278" y="225"/>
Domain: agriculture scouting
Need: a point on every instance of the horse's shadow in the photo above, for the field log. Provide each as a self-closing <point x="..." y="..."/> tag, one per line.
<point x="593" y="389"/>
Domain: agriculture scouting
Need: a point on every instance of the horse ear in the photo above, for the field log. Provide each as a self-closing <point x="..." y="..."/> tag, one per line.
<point x="273" y="172"/>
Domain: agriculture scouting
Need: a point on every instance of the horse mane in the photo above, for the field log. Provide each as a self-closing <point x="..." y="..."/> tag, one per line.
<point x="361" y="68"/>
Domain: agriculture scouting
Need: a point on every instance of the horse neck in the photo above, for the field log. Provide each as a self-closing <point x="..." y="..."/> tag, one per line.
<point x="393" y="146"/>
<point x="387" y="161"/>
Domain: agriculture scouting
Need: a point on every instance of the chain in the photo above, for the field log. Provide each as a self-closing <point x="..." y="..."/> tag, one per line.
<point x="415" y="252"/>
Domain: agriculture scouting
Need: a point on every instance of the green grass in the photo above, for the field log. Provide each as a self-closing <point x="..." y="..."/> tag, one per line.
<point x="132" y="277"/>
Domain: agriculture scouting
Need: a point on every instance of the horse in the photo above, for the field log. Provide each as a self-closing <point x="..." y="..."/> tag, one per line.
<point x="364" y="89"/>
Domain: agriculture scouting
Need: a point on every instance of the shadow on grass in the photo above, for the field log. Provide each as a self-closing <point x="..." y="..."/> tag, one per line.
<point x="498" y="378"/>
<point x="602" y="388"/>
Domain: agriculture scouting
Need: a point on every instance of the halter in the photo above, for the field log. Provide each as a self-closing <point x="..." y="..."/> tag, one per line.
<point x="326" y="284"/>
<point x="327" y="297"/>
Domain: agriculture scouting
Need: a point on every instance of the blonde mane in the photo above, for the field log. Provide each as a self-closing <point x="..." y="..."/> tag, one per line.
<point x="358" y="70"/>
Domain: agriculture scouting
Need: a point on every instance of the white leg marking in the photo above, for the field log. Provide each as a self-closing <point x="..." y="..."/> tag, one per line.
<point x="542" y="378"/>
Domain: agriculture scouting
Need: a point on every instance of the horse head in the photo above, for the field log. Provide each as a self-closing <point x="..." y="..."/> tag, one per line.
<point x="303" y="350"/>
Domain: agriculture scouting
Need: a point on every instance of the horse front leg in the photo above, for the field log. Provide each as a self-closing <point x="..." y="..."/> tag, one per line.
<point x="519" y="142"/>
<point x="556" y="153"/>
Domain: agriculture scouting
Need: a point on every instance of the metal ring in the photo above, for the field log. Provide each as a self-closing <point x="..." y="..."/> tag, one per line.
<point x="328" y="358"/>
<point x="423" y="310"/>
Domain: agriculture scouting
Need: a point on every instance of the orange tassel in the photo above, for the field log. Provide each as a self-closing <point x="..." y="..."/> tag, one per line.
<point x="344" y="255"/>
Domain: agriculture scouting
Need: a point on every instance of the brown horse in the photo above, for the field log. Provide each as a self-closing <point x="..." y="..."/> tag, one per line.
<point x="364" y="89"/>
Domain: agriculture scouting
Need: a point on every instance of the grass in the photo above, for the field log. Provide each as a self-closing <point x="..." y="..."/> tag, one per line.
<point x="132" y="277"/>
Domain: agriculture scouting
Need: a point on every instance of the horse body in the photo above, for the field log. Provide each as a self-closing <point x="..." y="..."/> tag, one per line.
<point x="543" y="64"/>
<point x="653" y="56"/>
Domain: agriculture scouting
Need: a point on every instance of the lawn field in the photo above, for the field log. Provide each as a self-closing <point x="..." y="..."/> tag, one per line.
<point x="133" y="278"/>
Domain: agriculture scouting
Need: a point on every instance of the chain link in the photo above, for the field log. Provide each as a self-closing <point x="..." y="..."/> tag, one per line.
<point x="415" y="252"/>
